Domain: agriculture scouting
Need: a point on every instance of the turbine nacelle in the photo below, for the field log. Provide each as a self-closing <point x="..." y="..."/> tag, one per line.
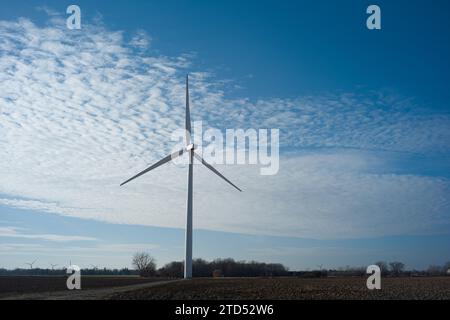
<point x="191" y="147"/>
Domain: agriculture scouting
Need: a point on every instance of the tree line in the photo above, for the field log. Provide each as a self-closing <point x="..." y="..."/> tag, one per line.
<point x="62" y="272"/>
<point x="146" y="265"/>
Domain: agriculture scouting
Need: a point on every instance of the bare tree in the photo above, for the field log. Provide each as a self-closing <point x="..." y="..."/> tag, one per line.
<point x="383" y="267"/>
<point x="397" y="267"/>
<point x="144" y="263"/>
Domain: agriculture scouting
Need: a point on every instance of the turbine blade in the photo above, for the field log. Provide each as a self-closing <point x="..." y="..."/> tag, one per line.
<point x="188" y="114"/>
<point x="210" y="167"/>
<point x="156" y="165"/>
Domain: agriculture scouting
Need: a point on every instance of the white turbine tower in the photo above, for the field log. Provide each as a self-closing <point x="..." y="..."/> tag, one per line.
<point x="190" y="149"/>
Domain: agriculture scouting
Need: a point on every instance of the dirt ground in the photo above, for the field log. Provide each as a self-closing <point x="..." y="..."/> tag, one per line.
<point x="223" y="288"/>
<point x="294" y="288"/>
<point x="41" y="286"/>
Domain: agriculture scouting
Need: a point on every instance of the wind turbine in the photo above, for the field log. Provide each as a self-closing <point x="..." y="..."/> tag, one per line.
<point x="53" y="265"/>
<point x="31" y="264"/>
<point x="190" y="149"/>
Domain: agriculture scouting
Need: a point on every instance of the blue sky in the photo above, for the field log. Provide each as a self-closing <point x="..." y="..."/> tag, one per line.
<point x="363" y="115"/>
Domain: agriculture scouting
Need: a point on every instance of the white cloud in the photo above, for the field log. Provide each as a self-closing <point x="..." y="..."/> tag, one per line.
<point x="81" y="111"/>
<point x="141" y="40"/>
<point x="369" y="120"/>
<point x="99" y="248"/>
<point x="13" y="232"/>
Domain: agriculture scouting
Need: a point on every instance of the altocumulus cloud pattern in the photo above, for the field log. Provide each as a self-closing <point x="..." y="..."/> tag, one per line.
<point x="80" y="112"/>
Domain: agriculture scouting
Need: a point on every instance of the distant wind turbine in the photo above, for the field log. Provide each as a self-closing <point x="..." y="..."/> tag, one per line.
<point x="31" y="264"/>
<point x="190" y="149"/>
<point x="53" y="265"/>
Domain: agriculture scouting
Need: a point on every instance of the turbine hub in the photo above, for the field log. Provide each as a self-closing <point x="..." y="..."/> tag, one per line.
<point x="191" y="147"/>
